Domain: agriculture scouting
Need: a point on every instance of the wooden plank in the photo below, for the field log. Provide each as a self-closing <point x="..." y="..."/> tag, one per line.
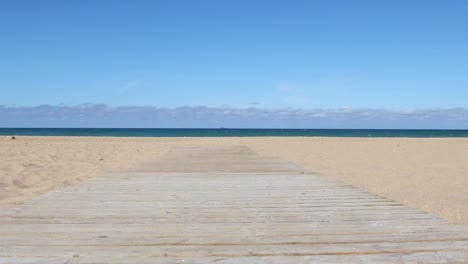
<point x="197" y="229"/>
<point x="220" y="250"/>
<point x="412" y="257"/>
<point x="119" y="239"/>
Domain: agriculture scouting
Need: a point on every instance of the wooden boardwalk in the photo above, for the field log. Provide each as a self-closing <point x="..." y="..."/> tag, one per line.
<point x="223" y="205"/>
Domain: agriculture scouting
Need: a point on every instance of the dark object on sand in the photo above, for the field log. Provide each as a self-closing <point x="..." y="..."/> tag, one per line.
<point x="13" y="137"/>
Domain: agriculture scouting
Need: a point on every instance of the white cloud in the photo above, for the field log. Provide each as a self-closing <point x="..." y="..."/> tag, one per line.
<point x="101" y="115"/>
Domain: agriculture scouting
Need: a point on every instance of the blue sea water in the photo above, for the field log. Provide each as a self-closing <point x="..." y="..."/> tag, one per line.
<point x="225" y="132"/>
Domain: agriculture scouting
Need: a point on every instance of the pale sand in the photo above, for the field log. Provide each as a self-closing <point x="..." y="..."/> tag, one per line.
<point x="430" y="174"/>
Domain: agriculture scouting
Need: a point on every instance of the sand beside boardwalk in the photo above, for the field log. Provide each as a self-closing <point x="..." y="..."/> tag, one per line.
<point x="430" y="174"/>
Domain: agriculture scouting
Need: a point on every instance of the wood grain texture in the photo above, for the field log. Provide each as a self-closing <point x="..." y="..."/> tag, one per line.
<point x="223" y="205"/>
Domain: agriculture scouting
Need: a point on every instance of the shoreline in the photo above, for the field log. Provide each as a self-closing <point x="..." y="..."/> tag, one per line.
<point x="226" y="137"/>
<point x="236" y="132"/>
<point x="426" y="173"/>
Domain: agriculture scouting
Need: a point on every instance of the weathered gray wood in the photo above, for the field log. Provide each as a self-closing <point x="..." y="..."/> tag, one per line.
<point x="416" y="257"/>
<point x="222" y="205"/>
<point x="119" y="239"/>
<point x="229" y="250"/>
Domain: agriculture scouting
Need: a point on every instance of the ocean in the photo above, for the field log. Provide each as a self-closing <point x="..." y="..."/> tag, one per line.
<point x="228" y="132"/>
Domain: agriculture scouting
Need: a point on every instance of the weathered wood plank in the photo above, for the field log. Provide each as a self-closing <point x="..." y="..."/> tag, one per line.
<point x="413" y="257"/>
<point x="220" y="250"/>
<point x="119" y="239"/>
<point x="196" y="229"/>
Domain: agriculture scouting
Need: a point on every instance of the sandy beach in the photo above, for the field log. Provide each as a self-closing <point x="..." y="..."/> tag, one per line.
<point x="429" y="174"/>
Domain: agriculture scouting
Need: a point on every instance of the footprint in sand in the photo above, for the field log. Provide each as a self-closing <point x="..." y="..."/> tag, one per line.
<point x="18" y="183"/>
<point x="12" y="168"/>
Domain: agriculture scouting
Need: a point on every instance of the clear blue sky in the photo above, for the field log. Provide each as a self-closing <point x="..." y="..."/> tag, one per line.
<point x="265" y="54"/>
